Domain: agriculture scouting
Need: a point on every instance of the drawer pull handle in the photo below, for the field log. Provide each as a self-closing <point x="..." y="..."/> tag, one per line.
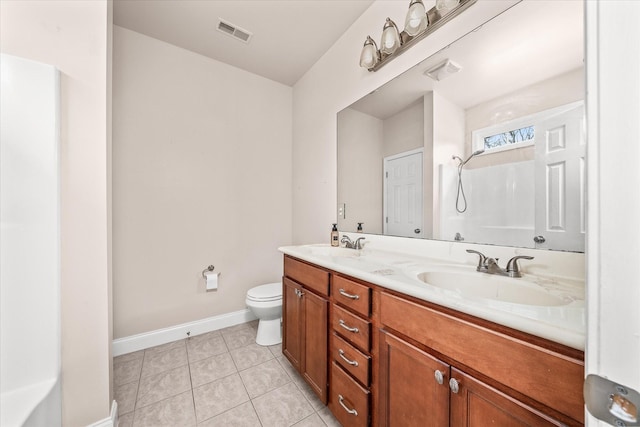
<point x="351" y="296"/>
<point x="349" y="411"/>
<point x="350" y="362"/>
<point x="454" y="385"/>
<point x="439" y="377"/>
<point x="348" y="328"/>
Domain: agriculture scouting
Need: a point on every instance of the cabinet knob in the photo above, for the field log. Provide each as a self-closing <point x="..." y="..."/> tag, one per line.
<point x="439" y="377"/>
<point x="454" y="385"/>
<point x="345" y="407"/>
<point x="299" y="293"/>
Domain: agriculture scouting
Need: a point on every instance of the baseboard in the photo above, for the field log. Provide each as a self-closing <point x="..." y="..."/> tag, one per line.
<point x="111" y="420"/>
<point x="162" y="336"/>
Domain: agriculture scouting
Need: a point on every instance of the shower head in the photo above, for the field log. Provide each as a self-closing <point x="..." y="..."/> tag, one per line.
<point x="475" y="153"/>
<point x="464" y="162"/>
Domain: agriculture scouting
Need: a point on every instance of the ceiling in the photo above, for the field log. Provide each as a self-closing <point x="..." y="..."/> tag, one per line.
<point x="289" y="36"/>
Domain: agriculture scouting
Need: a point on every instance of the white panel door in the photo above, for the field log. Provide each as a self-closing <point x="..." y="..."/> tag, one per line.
<point x="560" y="181"/>
<point x="403" y="194"/>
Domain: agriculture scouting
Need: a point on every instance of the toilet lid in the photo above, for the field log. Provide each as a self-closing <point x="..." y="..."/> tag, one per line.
<point x="268" y="292"/>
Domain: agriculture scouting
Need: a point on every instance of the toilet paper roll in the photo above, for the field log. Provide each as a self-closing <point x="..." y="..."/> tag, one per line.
<point x="212" y="280"/>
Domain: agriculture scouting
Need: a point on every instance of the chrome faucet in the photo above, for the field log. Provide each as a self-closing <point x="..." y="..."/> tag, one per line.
<point x="348" y="243"/>
<point x="490" y="265"/>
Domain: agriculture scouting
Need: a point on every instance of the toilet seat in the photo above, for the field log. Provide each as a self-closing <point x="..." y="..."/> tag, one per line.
<point x="265" y="293"/>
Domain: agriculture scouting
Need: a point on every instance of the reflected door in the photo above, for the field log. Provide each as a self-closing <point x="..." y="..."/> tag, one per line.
<point x="560" y="181"/>
<point x="403" y="195"/>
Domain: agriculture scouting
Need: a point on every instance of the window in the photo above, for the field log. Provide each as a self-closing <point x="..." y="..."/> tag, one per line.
<point x="509" y="135"/>
<point x="515" y="136"/>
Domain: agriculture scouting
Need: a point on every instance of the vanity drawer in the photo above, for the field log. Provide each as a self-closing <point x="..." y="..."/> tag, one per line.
<point x="307" y="275"/>
<point x="349" y="401"/>
<point x="544" y="375"/>
<point x="351" y="359"/>
<point x="353" y="295"/>
<point x="351" y="327"/>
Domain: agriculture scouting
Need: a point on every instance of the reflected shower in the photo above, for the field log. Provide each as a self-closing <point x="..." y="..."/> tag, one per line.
<point x="460" y="188"/>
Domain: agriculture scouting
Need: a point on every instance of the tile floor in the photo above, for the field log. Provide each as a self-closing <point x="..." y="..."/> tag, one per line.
<point x="222" y="378"/>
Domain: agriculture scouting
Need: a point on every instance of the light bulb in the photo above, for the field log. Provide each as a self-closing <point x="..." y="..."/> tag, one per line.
<point x="446" y="4"/>
<point x="416" y="21"/>
<point x="390" y="38"/>
<point x="369" y="55"/>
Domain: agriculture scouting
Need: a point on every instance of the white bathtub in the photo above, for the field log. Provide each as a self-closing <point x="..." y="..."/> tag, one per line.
<point x="29" y="245"/>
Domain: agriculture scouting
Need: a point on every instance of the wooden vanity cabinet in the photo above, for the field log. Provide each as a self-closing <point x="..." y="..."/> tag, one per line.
<point x="381" y="358"/>
<point x="305" y="307"/>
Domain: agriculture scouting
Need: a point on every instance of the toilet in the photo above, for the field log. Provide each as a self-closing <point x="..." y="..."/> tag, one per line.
<point x="265" y="302"/>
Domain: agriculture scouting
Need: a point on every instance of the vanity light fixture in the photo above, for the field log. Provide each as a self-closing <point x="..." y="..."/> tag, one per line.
<point x="442" y="70"/>
<point x="418" y="25"/>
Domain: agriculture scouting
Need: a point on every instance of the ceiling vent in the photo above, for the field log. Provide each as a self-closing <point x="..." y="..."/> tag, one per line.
<point x="443" y="70"/>
<point x="234" y="31"/>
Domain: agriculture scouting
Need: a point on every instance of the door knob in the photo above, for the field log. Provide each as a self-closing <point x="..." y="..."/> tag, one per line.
<point x="539" y="239"/>
<point x="417" y="231"/>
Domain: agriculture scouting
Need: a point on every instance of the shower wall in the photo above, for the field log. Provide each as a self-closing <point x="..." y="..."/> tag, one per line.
<point x="30" y="248"/>
<point x="500" y="204"/>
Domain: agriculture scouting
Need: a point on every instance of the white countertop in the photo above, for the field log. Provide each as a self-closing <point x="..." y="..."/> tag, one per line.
<point x="564" y="322"/>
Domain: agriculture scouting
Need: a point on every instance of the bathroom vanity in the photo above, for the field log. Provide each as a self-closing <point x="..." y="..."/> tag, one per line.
<point x="381" y="347"/>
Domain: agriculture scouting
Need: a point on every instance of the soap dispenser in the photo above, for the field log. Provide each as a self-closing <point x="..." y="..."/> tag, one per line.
<point x="335" y="236"/>
<point x="359" y="230"/>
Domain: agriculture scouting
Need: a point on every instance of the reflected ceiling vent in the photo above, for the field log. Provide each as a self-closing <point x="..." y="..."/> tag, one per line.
<point x="234" y="31"/>
<point x="443" y="70"/>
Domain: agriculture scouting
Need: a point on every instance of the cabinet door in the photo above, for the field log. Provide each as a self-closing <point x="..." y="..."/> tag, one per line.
<point x="315" y="347"/>
<point x="292" y="326"/>
<point x="475" y="404"/>
<point x="410" y="395"/>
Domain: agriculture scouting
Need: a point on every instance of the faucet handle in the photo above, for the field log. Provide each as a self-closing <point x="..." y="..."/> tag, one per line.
<point x="359" y="244"/>
<point x="482" y="261"/>
<point x="513" y="269"/>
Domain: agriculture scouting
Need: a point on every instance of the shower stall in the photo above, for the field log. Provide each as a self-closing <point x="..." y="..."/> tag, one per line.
<point x="30" y="248"/>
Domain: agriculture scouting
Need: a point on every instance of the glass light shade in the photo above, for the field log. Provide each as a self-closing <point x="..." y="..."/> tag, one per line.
<point x="446" y="4"/>
<point x="390" y="38"/>
<point x="369" y="54"/>
<point x="416" y="21"/>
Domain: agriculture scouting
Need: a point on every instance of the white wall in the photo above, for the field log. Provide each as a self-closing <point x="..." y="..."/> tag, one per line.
<point x="319" y="95"/>
<point x="404" y="131"/>
<point x="202" y="175"/>
<point x="73" y="36"/>
<point x="447" y="139"/>
<point x="360" y="159"/>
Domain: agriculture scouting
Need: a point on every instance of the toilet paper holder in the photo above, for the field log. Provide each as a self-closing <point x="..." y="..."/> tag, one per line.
<point x="209" y="268"/>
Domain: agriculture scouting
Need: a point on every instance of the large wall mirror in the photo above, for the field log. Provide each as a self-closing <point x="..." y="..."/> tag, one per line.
<point x="483" y="142"/>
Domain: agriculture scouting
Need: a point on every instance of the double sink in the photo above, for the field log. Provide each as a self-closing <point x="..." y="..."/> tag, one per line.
<point x="457" y="280"/>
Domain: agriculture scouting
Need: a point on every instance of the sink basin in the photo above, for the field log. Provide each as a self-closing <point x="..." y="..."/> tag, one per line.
<point x="333" y="251"/>
<point x="492" y="287"/>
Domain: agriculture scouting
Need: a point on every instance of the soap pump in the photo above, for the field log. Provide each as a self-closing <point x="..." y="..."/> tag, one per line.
<point x="335" y="236"/>
<point x="359" y="230"/>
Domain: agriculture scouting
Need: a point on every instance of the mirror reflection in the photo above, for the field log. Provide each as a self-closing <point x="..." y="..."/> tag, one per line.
<point x="482" y="142"/>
